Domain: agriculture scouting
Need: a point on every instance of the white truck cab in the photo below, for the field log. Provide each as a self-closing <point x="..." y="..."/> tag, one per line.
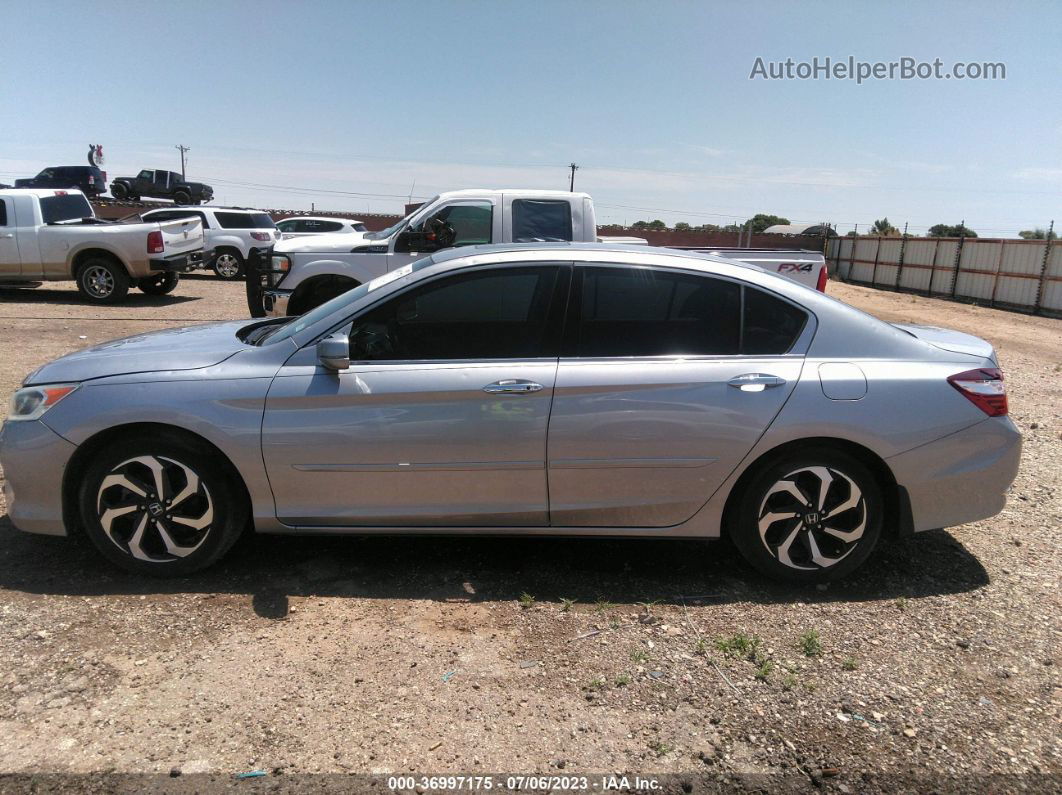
<point x="302" y="273"/>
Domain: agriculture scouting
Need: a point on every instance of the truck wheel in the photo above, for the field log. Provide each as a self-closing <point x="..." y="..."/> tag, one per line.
<point x="159" y="283"/>
<point x="228" y="265"/>
<point x="102" y="281"/>
<point x="182" y="197"/>
<point x="119" y="191"/>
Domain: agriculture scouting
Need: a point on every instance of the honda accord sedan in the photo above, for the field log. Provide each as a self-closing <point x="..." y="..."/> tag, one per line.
<point x="582" y="389"/>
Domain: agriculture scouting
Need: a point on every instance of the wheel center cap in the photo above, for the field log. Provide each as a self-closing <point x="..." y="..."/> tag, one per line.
<point x="811" y="518"/>
<point x="155" y="509"/>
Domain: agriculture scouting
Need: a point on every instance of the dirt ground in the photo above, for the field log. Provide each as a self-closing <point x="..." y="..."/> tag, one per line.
<point x="938" y="662"/>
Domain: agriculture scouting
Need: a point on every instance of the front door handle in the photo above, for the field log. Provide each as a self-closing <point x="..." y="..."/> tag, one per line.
<point x="755" y="382"/>
<point x="512" y="386"/>
<point x="7" y="236"/>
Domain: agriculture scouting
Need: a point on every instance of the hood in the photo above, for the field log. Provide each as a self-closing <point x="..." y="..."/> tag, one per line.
<point x="199" y="186"/>
<point x="173" y="349"/>
<point x="333" y="243"/>
<point x="948" y="340"/>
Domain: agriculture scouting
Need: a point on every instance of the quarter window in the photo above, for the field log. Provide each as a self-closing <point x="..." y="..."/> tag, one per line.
<point x="538" y="221"/>
<point x="497" y="314"/>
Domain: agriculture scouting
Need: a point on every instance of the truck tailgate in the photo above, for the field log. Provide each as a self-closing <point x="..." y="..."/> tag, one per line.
<point x="181" y="236"/>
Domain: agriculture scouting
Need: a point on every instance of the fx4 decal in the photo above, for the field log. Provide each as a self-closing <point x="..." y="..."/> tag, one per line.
<point x="795" y="267"/>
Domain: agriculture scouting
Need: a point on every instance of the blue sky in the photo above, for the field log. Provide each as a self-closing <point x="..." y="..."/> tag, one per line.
<point x="345" y="104"/>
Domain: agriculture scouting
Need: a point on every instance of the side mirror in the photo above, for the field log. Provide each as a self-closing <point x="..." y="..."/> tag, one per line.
<point x="334" y="352"/>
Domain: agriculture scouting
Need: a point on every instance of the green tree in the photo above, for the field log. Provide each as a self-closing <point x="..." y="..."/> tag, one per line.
<point x="708" y="228"/>
<point x="761" y="221"/>
<point x="944" y="230"/>
<point x="657" y="225"/>
<point x="682" y="226"/>
<point x="883" y="228"/>
<point x="1037" y="234"/>
<point x="852" y="233"/>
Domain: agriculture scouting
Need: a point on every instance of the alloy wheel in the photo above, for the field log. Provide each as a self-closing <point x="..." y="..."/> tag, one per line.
<point x="154" y="508"/>
<point x="812" y="518"/>
<point x="98" y="281"/>
<point x="227" y="266"/>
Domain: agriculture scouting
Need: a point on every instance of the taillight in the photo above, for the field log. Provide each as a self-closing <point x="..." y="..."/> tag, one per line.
<point x="155" y="244"/>
<point x="824" y="276"/>
<point x="261" y="236"/>
<point x="984" y="388"/>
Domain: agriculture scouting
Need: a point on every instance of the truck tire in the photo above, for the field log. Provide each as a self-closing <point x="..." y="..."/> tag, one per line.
<point x="182" y="197"/>
<point x="159" y="283"/>
<point x="102" y="281"/>
<point x="119" y="190"/>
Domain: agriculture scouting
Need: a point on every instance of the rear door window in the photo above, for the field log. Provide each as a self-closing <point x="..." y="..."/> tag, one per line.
<point x="245" y="220"/>
<point x="771" y="325"/>
<point x="3" y="212"/>
<point x="65" y="208"/>
<point x="541" y="221"/>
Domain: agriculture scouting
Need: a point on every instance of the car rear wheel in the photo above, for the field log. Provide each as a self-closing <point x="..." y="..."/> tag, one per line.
<point x="809" y="517"/>
<point x="182" y="197"/>
<point x="119" y="191"/>
<point x="159" y="283"/>
<point x="228" y="265"/>
<point x="161" y="506"/>
<point x="102" y="281"/>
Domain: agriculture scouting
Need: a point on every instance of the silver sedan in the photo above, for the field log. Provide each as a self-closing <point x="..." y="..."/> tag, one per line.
<point x="549" y="390"/>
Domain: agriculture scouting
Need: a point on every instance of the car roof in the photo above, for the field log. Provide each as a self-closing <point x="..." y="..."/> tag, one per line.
<point x="620" y="253"/>
<point x="319" y="218"/>
<point x="553" y="194"/>
<point x="41" y="193"/>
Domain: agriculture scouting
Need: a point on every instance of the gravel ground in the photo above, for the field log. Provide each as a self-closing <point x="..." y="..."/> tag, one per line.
<point x="936" y="665"/>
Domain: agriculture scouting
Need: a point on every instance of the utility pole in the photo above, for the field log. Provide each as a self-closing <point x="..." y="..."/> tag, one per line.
<point x="182" y="150"/>
<point x="571" y="184"/>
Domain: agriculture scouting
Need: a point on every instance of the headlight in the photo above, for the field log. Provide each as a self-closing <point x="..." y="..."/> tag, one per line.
<point x="30" y="402"/>
<point x="282" y="264"/>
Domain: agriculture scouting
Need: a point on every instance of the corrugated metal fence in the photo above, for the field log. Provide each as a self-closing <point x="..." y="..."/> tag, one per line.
<point x="1015" y="274"/>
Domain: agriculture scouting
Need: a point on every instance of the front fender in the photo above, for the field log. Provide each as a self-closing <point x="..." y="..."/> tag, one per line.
<point x="304" y="268"/>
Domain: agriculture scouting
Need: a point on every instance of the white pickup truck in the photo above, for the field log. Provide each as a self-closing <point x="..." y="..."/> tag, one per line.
<point x="299" y="274"/>
<point x="54" y="235"/>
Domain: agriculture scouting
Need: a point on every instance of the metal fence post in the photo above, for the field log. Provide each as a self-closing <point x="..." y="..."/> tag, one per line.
<point x="874" y="272"/>
<point x="933" y="267"/>
<point x="899" y="267"/>
<point x="1043" y="269"/>
<point x="999" y="267"/>
<point x="851" y="257"/>
<point x="958" y="258"/>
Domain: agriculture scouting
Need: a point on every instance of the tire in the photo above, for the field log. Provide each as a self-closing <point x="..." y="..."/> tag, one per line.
<point x="102" y="281"/>
<point x="119" y="191"/>
<point x="159" y="283"/>
<point x="785" y="548"/>
<point x="200" y="511"/>
<point x="228" y="265"/>
<point x="182" y="198"/>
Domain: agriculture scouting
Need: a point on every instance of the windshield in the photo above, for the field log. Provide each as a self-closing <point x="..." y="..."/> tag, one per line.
<point x="71" y="207"/>
<point x="324" y="310"/>
<point x="386" y="233"/>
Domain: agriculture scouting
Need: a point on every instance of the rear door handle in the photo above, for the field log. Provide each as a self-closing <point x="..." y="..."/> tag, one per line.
<point x="755" y="382"/>
<point x="512" y="386"/>
<point x="5" y="237"/>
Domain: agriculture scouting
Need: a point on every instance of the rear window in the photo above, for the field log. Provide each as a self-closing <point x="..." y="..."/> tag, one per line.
<point x="245" y="220"/>
<point x="65" y="208"/>
<point x="538" y="221"/>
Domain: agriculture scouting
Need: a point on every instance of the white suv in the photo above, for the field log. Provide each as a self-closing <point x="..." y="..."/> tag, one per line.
<point x="302" y="225"/>
<point x="230" y="231"/>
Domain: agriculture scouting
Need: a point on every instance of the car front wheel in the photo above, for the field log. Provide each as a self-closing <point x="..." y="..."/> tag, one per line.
<point x="162" y="506"/>
<point x="809" y="517"/>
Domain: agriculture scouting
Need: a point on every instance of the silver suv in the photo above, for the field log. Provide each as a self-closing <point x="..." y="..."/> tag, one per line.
<point x="230" y="231"/>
